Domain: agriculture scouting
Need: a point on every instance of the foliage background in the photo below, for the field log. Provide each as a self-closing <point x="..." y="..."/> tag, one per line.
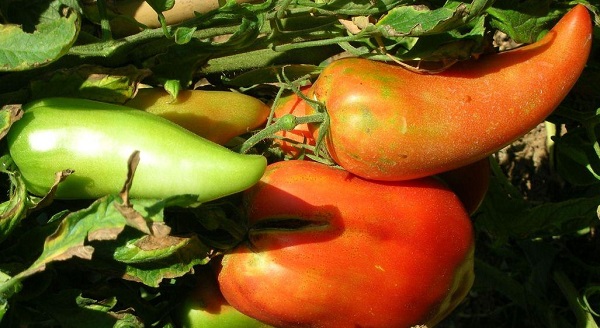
<point x="538" y="262"/>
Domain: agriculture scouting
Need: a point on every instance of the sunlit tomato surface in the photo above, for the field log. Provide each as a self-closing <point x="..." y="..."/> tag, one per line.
<point x="329" y="249"/>
<point x="389" y="123"/>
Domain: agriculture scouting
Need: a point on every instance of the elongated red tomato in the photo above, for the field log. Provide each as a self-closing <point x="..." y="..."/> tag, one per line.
<point x="329" y="249"/>
<point x="389" y="123"/>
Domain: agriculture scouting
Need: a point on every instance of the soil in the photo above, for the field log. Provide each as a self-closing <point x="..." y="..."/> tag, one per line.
<point x="526" y="162"/>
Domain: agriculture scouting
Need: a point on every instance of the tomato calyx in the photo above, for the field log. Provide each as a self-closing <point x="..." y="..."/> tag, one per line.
<point x="289" y="122"/>
<point x="285" y="123"/>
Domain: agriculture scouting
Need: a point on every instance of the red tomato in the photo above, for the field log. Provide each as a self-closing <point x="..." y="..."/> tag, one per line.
<point x="329" y="249"/>
<point x="470" y="183"/>
<point x="300" y="135"/>
<point x="390" y="123"/>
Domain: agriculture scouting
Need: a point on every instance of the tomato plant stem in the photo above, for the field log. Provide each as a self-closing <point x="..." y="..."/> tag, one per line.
<point x="104" y="22"/>
<point x="583" y="316"/>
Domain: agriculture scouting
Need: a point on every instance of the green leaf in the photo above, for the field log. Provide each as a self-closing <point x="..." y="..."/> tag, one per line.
<point x="8" y="115"/>
<point x="446" y="46"/>
<point x="173" y="87"/>
<point x="576" y="159"/>
<point x="177" y="265"/>
<point x="116" y="85"/>
<point x="15" y="209"/>
<point x="183" y="35"/>
<point x="51" y="40"/>
<point x="249" y="30"/>
<point x="161" y="5"/>
<point x="523" y="21"/>
<point x="420" y="20"/>
<point x="507" y="216"/>
<point x="100" y="221"/>
<point x="29" y="13"/>
<point x="152" y="248"/>
<point x="102" y="234"/>
<point x="501" y="281"/>
<point x="149" y="260"/>
<point x="70" y="309"/>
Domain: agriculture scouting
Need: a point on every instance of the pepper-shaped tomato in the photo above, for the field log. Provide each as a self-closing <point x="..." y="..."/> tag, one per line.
<point x="96" y="140"/>
<point x="217" y="116"/>
<point x="329" y="249"/>
<point x="390" y="123"/>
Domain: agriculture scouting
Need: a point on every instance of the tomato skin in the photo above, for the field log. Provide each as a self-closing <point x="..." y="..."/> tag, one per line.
<point x="470" y="183"/>
<point x="389" y="123"/>
<point x="96" y="140"/>
<point x="205" y="307"/>
<point x="301" y="134"/>
<point x="377" y="254"/>
<point x="217" y="116"/>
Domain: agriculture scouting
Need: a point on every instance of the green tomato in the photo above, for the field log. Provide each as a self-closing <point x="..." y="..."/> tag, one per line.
<point x="96" y="140"/>
<point x="205" y="307"/>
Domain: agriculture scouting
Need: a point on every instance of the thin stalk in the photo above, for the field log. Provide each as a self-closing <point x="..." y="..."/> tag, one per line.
<point x="320" y="43"/>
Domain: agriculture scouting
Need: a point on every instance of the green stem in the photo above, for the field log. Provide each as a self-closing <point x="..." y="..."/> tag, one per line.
<point x="591" y="133"/>
<point x="584" y="318"/>
<point x="319" y="43"/>
<point x="164" y="26"/>
<point x="104" y="21"/>
<point x="145" y="43"/>
<point x="285" y="123"/>
<point x="9" y="284"/>
<point x="281" y="11"/>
